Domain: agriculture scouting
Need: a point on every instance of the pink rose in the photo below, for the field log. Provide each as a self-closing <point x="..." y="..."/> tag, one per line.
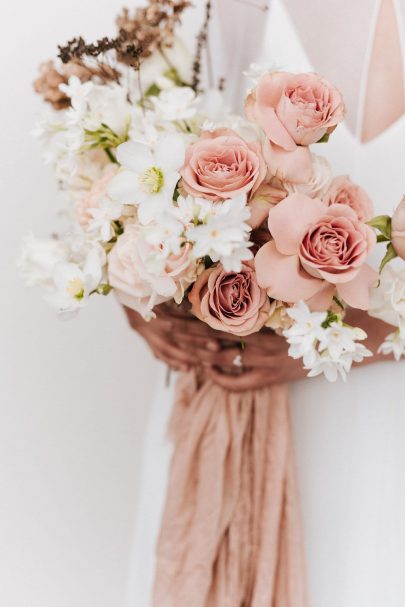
<point x="295" y="109"/>
<point x="222" y="165"/>
<point x="230" y="301"/>
<point x="293" y="166"/>
<point x="398" y="229"/>
<point x="91" y="199"/>
<point x="269" y="194"/>
<point x="343" y="191"/>
<point x="316" y="251"/>
<point x="297" y="171"/>
<point x="139" y="282"/>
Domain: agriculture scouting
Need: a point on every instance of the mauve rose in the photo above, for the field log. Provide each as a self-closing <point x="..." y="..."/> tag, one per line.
<point x="315" y="252"/>
<point x="222" y="165"/>
<point x="343" y="191"/>
<point x="295" y="109"/>
<point x="398" y="229"/>
<point x="229" y="301"/>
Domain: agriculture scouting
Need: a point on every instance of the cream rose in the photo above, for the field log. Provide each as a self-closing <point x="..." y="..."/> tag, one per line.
<point x="141" y="279"/>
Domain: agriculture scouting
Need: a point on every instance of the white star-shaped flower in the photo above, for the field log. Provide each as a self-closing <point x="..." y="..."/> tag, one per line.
<point x="149" y="175"/>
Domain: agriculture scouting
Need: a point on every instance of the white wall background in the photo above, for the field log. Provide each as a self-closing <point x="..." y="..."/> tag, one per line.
<point x="74" y="396"/>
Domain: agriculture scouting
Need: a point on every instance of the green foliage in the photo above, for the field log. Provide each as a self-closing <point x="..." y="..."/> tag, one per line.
<point x="331" y="318"/>
<point x="389" y="256"/>
<point x="382" y="223"/>
<point x="103" y="138"/>
<point x="103" y="288"/>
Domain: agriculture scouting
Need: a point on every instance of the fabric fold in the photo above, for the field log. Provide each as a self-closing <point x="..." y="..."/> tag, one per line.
<point x="230" y="534"/>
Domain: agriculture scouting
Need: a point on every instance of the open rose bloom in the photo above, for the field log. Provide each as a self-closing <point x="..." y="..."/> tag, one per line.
<point x="173" y="198"/>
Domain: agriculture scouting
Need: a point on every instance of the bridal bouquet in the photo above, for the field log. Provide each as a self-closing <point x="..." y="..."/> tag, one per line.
<point x="172" y="197"/>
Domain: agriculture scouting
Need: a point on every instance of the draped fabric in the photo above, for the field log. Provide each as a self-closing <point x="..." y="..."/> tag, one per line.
<point x="230" y="534"/>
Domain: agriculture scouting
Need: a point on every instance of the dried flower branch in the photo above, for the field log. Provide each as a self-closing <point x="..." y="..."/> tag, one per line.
<point x="153" y="26"/>
<point x="50" y="77"/>
<point x="202" y="43"/>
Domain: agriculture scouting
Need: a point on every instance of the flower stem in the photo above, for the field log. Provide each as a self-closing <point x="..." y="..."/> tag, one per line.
<point x="110" y="155"/>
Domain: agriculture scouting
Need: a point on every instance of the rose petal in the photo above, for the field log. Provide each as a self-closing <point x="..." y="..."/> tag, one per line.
<point x="283" y="277"/>
<point x="322" y="300"/>
<point x="356" y="292"/>
<point x="295" y="166"/>
<point x="290" y="219"/>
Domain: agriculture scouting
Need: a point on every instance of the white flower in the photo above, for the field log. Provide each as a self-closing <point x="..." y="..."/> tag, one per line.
<point x="326" y="348"/>
<point x="338" y="339"/>
<point x="73" y="284"/>
<point x="38" y="258"/>
<point x="388" y="299"/>
<point x="393" y="344"/>
<point x="177" y="103"/>
<point x="331" y="368"/>
<point x="305" y="331"/>
<point x="149" y="175"/>
<point x="224" y="234"/>
<point x="256" y="70"/>
<point x="167" y="234"/>
<point x="94" y="105"/>
<point x="102" y="216"/>
<point x="78" y="93"/>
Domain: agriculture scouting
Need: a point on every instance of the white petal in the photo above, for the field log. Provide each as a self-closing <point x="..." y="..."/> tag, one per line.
<point x="135" y="156"/>
<point x="64" y="272"/>
<point x="151" y="208"/>
<point x="170" y="153"/>
<point x="124" y="188"/>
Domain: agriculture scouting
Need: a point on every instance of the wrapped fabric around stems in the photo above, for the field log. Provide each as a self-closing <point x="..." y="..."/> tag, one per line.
<point x="231" y="533"/>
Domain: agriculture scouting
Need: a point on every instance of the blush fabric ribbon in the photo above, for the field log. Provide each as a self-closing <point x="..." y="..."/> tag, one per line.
<point x="231" y="534"/>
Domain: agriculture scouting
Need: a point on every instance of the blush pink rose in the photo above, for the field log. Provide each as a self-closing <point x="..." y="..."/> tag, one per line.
<point x="91" y="199"/>
<point x="230" y="301"/>
<point x="316" y="252"/>
<point x="290" y="172"/>
<point x="398" y="229"/>
<point x="139" y="284"/>
<point x="343" y="191"/>
<point x="222" y="165"/>
<point x="295" y="109"/>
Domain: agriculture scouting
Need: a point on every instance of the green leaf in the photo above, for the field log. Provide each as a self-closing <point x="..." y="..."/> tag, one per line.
<point x="331" y="318"/>
<point x="389" y="256"/>
<point x="103" y="288"/>
<point x="173" y="75"/>
<point x="152" y="91"/>
<point x="383" y="224"/>
<point x="382" y="238"/>
<point x="324" y="139"/>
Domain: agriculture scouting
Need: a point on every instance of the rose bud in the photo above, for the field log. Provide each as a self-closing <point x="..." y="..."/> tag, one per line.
<point x="398" y="229"/>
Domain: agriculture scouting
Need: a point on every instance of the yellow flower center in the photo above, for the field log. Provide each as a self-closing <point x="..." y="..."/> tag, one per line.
<point x="152" y="180"/>
<point x="75" y="288"/>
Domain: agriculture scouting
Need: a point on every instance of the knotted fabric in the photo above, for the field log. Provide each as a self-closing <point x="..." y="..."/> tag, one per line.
<point x="230" y="534"/>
